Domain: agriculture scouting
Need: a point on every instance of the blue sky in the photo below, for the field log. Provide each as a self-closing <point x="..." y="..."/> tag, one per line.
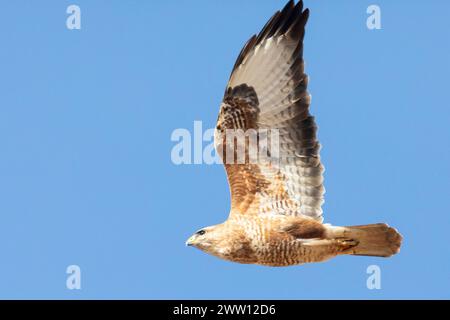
<point x="86" y="117"/>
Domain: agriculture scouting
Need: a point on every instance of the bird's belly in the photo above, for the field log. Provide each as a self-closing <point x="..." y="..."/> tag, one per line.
<point x="291" y="252"/>
<point x="281" y="253"/>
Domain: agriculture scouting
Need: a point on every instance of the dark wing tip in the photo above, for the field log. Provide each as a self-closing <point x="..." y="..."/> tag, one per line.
<point x="291" y="21"/>
<point x="297" y="29"/>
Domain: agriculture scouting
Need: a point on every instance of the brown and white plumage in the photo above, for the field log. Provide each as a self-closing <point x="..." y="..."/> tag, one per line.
<point x="276" y="214"/>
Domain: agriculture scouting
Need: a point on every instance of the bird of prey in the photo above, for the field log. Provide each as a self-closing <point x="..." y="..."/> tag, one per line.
<point x="276" y="216"/>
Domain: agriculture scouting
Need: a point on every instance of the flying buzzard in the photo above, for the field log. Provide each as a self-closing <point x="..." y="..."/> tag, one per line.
<point x="276" y="215"/>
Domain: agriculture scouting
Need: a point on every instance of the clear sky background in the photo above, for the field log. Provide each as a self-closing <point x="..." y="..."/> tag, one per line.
<point x="86" y="117"/>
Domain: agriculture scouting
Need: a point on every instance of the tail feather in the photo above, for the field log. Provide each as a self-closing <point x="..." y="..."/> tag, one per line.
<point x="378" y="240"/>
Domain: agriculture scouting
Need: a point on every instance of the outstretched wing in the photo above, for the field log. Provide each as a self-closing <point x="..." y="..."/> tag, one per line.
<point x="268" y="90"/>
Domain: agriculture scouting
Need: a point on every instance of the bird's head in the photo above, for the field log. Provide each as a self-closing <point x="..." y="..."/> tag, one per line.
<point x="206" y="239"/>
<point x="226" y="241"/>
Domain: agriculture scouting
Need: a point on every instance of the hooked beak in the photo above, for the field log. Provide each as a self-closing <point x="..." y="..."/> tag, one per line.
<point x="190" y="241"/>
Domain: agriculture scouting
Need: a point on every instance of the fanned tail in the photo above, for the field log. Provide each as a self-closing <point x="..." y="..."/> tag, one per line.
<point x="378" y="239"/>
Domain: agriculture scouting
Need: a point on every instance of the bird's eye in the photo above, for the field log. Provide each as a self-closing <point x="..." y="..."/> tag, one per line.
<point x="201" y="232"/>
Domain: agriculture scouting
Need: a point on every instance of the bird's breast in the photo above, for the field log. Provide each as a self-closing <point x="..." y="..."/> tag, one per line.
<point x="269" y="245"/>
